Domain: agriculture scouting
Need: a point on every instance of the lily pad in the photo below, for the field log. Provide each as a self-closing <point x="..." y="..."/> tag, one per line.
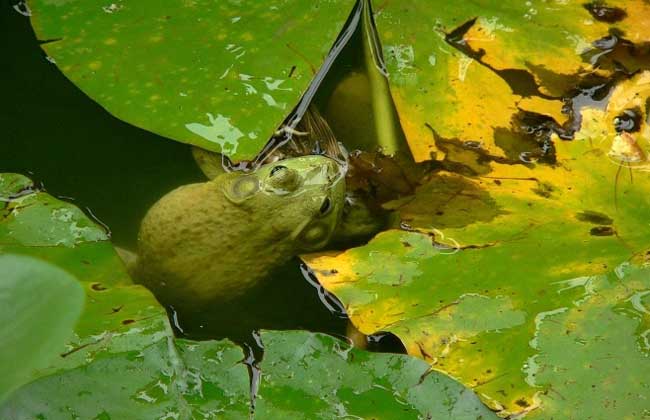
<point x="487" y="253"/>
<point x="39" y="305"/>
<point x="592" y="356"/>
<point x="308" y="376"/>
<point x="220" y="76"/>
<point x="465" y="69"/>
<point x="468" y="297"/>
<point x="167" y="379"/>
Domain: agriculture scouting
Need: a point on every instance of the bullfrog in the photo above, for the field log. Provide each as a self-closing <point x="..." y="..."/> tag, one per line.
<point x="362" y="216"/>
<point x="209" y="242"/>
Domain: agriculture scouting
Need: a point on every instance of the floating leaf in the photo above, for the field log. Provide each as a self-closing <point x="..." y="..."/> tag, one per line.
<point x="473" y="315"/>
<point x="592" y="356"/>
<point x="39" y="305"/>
<point x="307" y="376"/>
<point x="222" y="76"/>
<point x="465" y="69"/>
<point x="167" y="379"/>
<point x="468" y="297"/>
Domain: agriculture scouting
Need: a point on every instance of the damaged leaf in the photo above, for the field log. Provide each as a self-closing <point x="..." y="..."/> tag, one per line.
<point x="467" y="297"/>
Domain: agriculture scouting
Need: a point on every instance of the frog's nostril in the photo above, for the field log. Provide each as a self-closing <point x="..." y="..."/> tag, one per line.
<point x="333" y="169"/>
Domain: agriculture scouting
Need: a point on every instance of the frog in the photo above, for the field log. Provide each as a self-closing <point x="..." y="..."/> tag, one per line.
<point x="209" y="242"/>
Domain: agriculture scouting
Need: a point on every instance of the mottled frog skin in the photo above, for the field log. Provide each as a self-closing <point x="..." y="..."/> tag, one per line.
<point x="209" y="242"/>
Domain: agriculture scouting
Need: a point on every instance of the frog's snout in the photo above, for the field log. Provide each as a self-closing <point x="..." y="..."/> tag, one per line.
<point x="332" y="172"/>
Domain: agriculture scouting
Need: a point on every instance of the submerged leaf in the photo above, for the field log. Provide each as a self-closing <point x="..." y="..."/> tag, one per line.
<point x="39" y="305"/>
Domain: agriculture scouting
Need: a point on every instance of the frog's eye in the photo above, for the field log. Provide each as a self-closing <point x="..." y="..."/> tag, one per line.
<point x="326" y="207"/>
<point x="242" y="188"/>
<point x="284" y="180"/>
<point x="277" y="169"/>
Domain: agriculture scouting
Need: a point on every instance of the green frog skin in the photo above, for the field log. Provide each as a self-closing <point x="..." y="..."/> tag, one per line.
<point x="210" y="242"/>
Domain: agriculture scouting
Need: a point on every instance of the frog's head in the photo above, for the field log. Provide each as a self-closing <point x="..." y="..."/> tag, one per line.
<point x="300" y="199"/>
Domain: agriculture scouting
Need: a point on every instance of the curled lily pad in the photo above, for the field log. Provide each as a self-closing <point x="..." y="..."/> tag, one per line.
<point x="220" y="76"/>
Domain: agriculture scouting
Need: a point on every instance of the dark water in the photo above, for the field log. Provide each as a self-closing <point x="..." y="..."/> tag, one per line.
<point x="54" y="133"/>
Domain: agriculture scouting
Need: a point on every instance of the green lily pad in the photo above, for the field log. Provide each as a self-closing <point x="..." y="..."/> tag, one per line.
<point x="220" y="76"/>
<point x="474" y="316"/>
<point x="39" y="305"/>
<point x="592" y="356"/>
<point x="308" y="376"/>
<point x="167" y="379"/>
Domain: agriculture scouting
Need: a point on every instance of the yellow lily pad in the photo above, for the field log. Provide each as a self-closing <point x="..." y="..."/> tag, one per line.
<point x="488" y="258"/>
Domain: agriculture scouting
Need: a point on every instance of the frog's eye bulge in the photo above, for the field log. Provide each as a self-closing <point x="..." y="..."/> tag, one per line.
<point x="279" y="168"/>
<point x="283" y="179"/>
<point x="241" y="188"/>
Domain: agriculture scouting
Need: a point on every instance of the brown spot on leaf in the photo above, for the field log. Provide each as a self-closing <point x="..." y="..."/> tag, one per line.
<point x="602" y="231"/>
<point x="98" y="287"/>
<point x="522" y="403"/>
<point x="594" y="217"/>
<point x="603" y="13"/>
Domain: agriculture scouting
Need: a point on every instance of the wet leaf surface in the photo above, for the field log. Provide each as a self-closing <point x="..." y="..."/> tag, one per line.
<point x="465" y="69"/>
<point x="466" y="297"/>
<point x="540" y="181"/>
<point x="222" y="76"/>
<point x="308" y="376"/>
<point x="474" y="315"/>
<point x="39" y="305"/>
<point x="592" y="356"/>
<point x="167" y="379"/>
